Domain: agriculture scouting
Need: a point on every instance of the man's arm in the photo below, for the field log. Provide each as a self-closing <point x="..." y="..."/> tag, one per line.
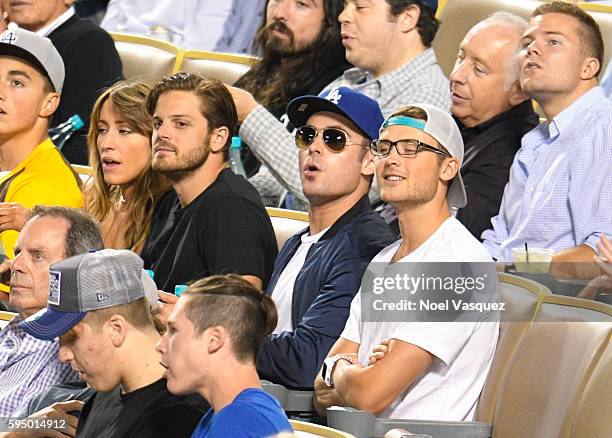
<point x="576" y="262"/>
<point x="269" y="141"/>
<point x="326" y="396"/>
<point x="369" y="388"/>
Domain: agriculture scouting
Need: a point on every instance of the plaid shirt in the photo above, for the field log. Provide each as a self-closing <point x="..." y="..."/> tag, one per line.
<point x="558" y="195"/>
<point x="27" y="367"/>
<point x="418" y="81"/>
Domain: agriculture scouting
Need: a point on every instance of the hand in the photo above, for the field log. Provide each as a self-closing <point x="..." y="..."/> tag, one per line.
<point x="605" y="247"/>
<point x="168" y="301"/>
<point x="12" y="216"/>
<point x="244" y="101"/>
<point x="378" y="352"/>
<point x="58" y="411"/>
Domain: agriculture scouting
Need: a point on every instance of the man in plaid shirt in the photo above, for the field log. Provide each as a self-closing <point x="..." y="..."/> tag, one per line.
<point x="389" y="43"/>
<point x="28" y="365"/>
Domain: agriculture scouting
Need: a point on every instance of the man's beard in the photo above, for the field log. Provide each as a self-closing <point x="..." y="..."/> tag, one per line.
<point x="184" y="165"/>
<point x="278" y="46"/>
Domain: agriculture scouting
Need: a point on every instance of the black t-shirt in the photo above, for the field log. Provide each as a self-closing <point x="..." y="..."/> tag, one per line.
<point x="149" y="412"/>
<point x="226" y="229"/>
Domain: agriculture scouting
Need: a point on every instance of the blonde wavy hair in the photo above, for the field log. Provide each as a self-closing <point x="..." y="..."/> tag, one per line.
<point x="127" y="98"/>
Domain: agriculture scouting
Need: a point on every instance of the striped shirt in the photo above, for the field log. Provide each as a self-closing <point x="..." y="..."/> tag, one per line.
<point x="28" y="366"/>
<point x="559" y="195"/>
<point x="420" y="80"/>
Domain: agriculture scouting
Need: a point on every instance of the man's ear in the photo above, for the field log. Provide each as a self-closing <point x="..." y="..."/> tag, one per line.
<point x="215" y="338"/>
<point x="449" y="168"/>
<point x="49" y="105"/>
<point x="218" y="139"/>
<point x="367" y="164"/>
<point x="407" y="19"/>
<point x="517" y="95"/>
<point x="117" y="329"/>
<point x="590" y="68"/>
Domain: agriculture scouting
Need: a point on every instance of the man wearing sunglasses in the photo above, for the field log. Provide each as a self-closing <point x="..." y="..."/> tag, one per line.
<point x="318" y="271"/>
<point x="389" y="43"/>
<point x="427" y="368"/>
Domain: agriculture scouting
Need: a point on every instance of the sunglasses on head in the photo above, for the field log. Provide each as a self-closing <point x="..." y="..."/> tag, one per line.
<point x="334" y="139"/>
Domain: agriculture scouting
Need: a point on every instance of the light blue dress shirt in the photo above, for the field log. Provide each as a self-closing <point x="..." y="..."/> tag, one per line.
<point x="560" y="190"/>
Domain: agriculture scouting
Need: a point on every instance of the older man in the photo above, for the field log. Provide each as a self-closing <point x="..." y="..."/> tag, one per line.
<point x="492" y="112"/>
<point x="29" y="365"/>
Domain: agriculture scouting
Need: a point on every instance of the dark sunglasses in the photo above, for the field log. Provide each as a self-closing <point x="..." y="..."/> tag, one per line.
<point x="334" y="139"/>
<point x="404" y="147"/>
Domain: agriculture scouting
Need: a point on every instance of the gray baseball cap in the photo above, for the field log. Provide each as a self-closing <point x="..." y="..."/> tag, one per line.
<point x="86" y="282"/>
<point x="441" y="126"/>
<point x="36" y="50"/>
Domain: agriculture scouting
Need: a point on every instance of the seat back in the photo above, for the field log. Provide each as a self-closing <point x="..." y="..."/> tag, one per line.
<point x="286" y="223"/>
<point x="550" y="368"/>
<point x="5" y="317"/>
<point x="521" y="298"/>
<point x="225" y="67"/>
<point x="311" y="430"/>
<point x="593" y="415"/>
<point x="145" y="58"/>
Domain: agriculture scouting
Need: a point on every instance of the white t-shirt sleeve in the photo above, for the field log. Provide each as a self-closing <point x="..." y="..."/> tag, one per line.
<point x="445" y="340"/>
<point x="352" y="328"/>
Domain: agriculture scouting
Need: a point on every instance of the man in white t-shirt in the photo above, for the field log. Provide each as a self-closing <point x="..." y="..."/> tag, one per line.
<point x="431" y="365"/>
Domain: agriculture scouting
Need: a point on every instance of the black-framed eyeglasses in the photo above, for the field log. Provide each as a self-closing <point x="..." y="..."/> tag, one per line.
<point x="405" y="147"/>
<point x="334" y="139"/>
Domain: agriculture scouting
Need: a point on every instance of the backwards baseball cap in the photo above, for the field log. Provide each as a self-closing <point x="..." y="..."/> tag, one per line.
<point x="36" y="50"/>
<point x="360" y="109"/>
<point x="86" y="282"/>
<point x="441" y="126"/>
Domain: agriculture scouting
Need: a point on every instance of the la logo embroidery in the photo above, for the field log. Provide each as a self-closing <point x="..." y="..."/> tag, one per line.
<point x="334" y="96"/>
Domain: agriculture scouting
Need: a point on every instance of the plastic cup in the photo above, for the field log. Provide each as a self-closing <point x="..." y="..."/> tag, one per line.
<point x="538" y="261"/>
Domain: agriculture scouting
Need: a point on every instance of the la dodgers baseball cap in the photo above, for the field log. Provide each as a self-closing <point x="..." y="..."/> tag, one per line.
<point x="360" y="109"/>
<point x="36" y="50"/>
<point x="87" y="282"/>
<point x="441" y="126"/>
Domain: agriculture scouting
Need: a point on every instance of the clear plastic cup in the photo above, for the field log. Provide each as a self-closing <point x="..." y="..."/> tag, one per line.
<point x="533" y="260"/>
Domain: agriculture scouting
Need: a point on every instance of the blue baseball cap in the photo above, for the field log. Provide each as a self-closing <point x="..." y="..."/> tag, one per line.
<point x="360" y="109"/>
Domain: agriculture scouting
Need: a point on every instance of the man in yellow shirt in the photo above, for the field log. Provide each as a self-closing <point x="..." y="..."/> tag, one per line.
<point x="31" y="80"/>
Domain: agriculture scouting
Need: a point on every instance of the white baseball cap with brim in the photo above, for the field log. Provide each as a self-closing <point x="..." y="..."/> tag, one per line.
<point x="441" y="126"/>
<point x="36" y="50"/>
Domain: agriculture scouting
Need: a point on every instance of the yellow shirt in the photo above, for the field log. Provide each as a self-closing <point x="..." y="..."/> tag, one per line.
<point x="42" y="178"/>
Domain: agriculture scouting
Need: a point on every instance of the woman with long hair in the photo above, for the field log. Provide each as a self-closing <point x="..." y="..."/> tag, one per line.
<point x="125" y="188"/>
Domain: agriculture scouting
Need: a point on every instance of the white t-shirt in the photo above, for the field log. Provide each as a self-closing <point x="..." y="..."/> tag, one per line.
<point x="282" y="295"/>
<point x="450" y="387"/>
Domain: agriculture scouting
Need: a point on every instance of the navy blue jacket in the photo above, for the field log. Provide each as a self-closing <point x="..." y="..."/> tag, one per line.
<point x="322" y="295"/>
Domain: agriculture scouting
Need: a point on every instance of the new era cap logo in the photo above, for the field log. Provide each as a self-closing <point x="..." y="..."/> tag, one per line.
<point x="55" y="279"/>
<point x="334" y="96"/>
<point x="102" y="297"/>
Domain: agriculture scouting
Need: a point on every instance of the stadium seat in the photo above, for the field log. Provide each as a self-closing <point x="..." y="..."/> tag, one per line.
<point x="85" y="172"/>
<point x="146" y="58"/>
<point x="225" y="67"/>
<point x="5" y="317"/>
<point x="310" y="430"/>
<point x="286" y="223"/>
<point x="551" y="367"/>
<point x="522" y="298"/>
<point x="297" y="404"/>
